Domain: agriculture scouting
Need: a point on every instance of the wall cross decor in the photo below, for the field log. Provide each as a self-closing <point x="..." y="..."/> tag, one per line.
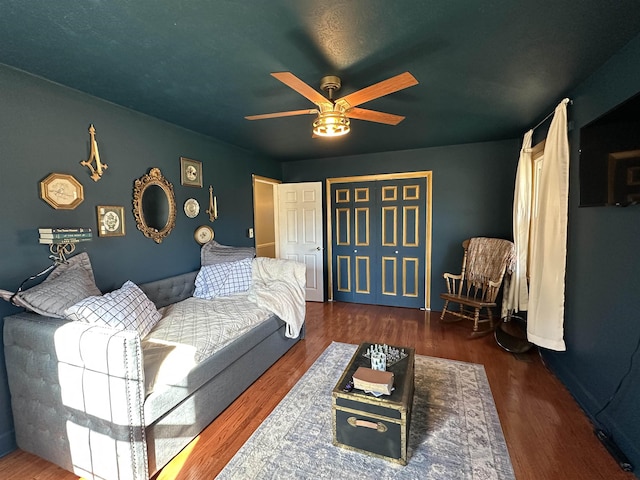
<point x="213" y="205"/>
<point x="96" y="173"/>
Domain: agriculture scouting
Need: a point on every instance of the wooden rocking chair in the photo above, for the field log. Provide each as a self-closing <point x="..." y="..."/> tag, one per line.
<point x="485" y="262"/>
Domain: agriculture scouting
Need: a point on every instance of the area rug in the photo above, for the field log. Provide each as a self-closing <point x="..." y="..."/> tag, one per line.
<point x="455" y="432"/>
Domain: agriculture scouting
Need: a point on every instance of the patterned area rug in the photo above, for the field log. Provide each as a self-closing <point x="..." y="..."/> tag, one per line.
<point x="455" y="432"/>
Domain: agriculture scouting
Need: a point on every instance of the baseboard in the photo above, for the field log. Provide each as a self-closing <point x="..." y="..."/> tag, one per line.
<point x="580" y="394"/>
<point x="613" y="449"/>
<point x="7" y="443"/>
<point x="588" y="403"/>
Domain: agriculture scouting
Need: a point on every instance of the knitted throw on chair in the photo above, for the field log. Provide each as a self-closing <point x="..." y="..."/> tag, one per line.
<point x="488" y="259"/>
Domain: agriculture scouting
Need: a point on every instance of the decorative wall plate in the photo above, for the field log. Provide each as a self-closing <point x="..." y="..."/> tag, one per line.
<point x="203" y="234"/>
<point x="61" y="191"/>
<point x="191" y="208"/>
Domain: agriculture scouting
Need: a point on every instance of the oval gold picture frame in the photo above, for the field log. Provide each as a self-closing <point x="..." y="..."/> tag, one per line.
<point x="140" y="187"/>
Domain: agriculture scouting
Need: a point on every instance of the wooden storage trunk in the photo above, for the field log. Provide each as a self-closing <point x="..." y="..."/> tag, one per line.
<point x="377" y="426"/>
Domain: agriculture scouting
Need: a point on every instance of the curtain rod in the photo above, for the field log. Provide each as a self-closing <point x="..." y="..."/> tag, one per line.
<point x="565" y="100"/>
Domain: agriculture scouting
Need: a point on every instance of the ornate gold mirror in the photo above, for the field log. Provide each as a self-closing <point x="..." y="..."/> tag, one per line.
<point x="154" y="205"/>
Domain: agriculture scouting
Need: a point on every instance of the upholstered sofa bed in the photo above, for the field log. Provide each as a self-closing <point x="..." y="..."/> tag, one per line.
<point x="110" y="403"/>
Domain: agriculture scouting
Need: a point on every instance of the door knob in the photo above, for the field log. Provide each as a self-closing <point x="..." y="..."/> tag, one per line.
<point x="355" y="251"/>
<point x="396" y="252"/>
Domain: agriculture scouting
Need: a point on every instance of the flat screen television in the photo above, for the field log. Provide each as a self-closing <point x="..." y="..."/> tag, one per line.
<point x="610" y="157"/>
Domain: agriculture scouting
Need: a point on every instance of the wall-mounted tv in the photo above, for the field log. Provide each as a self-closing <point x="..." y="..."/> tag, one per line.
<point x="610" y="157"/>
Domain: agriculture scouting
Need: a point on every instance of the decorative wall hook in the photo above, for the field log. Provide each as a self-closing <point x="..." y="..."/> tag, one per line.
<point x="213" y="205"/>
<point x="96" y="173"/>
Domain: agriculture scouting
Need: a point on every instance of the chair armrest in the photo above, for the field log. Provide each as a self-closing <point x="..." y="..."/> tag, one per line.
<point x="454" y="282"/>
<point x="77" y="394"/>
<point x="452" y="276"/>
<point x="492" y="290"/>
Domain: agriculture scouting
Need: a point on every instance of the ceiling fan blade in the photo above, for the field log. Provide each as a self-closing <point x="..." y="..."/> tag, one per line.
<point x="290" y="113"/>
<point x="377" y="90"/>
<point x="373" y="116"/>
<point x="291" y="81"/>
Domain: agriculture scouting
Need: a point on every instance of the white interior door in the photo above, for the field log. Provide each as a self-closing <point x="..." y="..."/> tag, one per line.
<point x="300" y="231"/>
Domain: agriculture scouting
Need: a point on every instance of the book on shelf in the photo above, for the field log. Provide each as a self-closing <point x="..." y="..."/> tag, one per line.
<point x="67" y="235"/>
<point x="51" y="241"/>
<point x="64" y="230"/>
<point x="369" y="380"/>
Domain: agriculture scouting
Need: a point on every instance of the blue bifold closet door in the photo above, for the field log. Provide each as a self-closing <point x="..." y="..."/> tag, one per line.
<point x="378" y="242"/>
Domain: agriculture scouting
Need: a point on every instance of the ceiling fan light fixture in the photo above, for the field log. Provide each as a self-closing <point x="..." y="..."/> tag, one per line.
<point x="332" y="119"/>
<point x="331" y="124"/>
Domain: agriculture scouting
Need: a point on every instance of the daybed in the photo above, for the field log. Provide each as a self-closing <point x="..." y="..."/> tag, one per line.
<point x="105" y="403"/>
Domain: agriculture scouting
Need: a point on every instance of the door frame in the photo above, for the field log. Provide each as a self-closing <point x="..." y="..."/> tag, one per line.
<point x="428" y="176"/>
<point x="256" y="208"/>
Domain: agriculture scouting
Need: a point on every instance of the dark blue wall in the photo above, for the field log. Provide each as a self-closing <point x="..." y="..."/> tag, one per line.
<point x="44" y="129"/>
<point x="472" y="192"/>
<point x="602" y="316"/>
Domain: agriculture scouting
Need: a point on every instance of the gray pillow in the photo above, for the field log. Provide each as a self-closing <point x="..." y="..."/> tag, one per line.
<point x="212" y="253"/>
<point x="66" y="285"/>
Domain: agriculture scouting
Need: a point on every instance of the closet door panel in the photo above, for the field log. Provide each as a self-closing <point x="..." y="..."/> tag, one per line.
<point x="379" y="235"/>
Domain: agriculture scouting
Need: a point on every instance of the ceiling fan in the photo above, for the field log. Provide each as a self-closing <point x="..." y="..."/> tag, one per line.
<point x="333" y="115"/>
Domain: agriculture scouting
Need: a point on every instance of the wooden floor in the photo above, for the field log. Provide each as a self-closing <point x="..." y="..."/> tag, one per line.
<point x="547" y="434"/>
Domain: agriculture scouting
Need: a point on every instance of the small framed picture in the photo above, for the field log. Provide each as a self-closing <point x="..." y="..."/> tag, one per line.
<point x="190" y="172"/>
<point x="110" y="221"/>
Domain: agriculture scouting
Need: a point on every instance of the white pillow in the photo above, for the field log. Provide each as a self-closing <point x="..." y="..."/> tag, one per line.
<point x="223" y="279"/>
<point x="127" y="308"/>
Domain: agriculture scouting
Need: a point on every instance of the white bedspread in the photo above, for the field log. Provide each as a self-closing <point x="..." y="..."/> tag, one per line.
<point x="207" y="325"/>
<point x="279" y="286"/>
<point x="193" y="330"/>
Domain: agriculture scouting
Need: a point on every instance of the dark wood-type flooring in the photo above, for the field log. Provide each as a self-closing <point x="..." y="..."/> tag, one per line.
<point x="548" y="435"/>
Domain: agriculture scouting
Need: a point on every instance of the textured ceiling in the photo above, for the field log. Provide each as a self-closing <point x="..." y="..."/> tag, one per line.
<point x="488" y="70"/>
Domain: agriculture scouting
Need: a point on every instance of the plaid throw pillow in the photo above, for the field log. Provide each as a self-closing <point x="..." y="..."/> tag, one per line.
<point x="223" y="279"/>
<point x="127" y="308"/>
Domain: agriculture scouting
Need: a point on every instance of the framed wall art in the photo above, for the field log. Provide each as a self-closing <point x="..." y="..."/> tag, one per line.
<point x="61" y="191"/>
<point x="190" y="172"/>
<point x="110" y="221"/>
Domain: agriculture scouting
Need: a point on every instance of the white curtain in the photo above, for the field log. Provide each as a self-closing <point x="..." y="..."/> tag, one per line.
<point x="545" y="320"/>
<point x="516" y="291"/>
